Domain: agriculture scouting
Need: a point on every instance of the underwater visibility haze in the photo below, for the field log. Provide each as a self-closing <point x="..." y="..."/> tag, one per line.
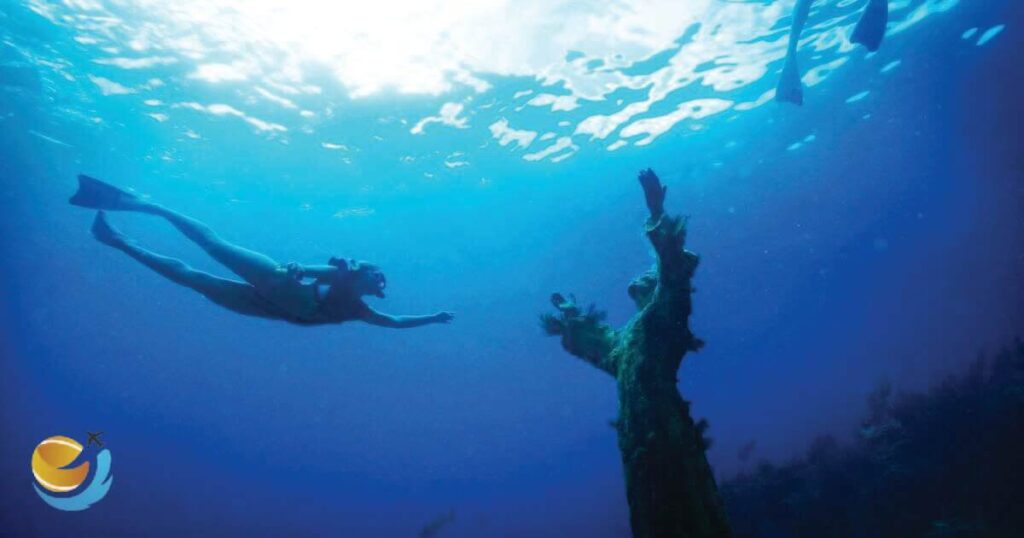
<point x="458" y="180"/>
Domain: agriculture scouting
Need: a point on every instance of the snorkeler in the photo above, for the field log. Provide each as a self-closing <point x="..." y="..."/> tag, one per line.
<point x="869" y="32"/>
<point x="303" y="295"/>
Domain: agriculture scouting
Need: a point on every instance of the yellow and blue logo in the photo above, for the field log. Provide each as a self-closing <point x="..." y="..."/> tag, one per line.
<point x="62" y="475"/>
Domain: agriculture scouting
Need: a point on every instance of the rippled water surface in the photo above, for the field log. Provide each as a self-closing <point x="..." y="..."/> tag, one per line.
<point x="541" y="79"/>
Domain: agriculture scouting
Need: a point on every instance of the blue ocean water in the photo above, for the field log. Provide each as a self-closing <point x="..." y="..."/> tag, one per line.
<point x="483" y="154"/>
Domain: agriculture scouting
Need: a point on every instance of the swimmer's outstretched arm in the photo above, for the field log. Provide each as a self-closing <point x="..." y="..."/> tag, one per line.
<point x="381" y="319"/>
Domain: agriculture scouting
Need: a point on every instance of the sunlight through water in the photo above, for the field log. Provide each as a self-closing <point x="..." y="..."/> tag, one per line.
<point x="540" y="78"/>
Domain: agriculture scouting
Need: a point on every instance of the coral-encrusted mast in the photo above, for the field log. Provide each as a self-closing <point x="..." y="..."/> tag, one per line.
<point x="669" y="485"/>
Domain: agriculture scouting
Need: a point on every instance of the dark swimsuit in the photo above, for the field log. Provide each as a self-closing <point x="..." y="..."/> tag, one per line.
<point x="355" y="309"/>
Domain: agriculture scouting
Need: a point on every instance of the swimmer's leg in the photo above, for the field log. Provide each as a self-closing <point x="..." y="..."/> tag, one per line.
<point x="255" y="268"/>
<point x="235" y="296"/>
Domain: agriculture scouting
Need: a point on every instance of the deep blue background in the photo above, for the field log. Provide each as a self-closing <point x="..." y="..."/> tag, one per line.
<point x="890" y="247"/>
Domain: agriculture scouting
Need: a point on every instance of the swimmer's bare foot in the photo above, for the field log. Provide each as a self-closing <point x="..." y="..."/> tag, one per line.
<point x="105" y="233"/>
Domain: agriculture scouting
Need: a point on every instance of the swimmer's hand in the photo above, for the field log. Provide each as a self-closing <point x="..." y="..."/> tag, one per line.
<point x="444" y="317"/>
<point x="295" y="270"/>
<point x="299" y="272"/>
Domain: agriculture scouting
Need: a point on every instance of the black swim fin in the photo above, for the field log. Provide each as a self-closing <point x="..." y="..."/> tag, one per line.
<point x="870" y="29"/>
<point x="790" y="89"/>
<point x="95" y="194"/>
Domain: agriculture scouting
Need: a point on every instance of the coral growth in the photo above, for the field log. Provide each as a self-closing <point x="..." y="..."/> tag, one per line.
<point x="943" y="463"/>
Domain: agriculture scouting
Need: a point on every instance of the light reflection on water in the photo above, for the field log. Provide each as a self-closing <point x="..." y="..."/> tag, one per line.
<point x="613" y="74"/>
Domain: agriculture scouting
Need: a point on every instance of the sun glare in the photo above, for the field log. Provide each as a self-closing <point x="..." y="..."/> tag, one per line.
<point x="675" y="61"/>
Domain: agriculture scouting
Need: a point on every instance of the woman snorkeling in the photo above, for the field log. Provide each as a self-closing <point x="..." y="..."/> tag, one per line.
<point x="303" y="295"/>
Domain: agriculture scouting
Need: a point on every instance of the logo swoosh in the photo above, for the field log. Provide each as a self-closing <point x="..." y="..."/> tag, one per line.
<point x="96" y="490"/>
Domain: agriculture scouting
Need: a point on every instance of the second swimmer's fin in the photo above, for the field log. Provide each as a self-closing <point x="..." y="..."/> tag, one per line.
<point x="790" y="89"/>
<point x="95" y="194"/>
<point x="870" y="28"/>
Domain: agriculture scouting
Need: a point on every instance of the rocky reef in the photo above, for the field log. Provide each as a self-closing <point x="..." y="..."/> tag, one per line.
<point x="948" y="462"/>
